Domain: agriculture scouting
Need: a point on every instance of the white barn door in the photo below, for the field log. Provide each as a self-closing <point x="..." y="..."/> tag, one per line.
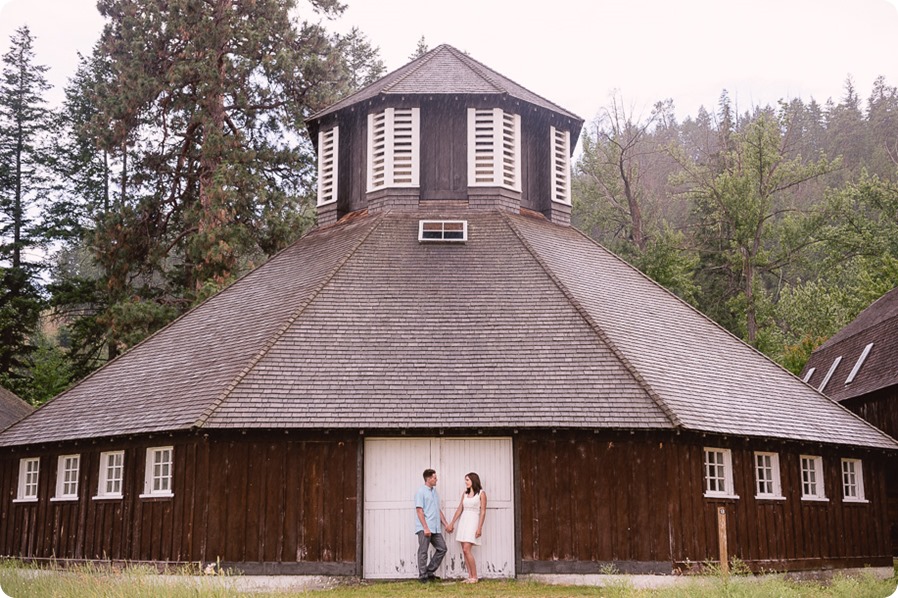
<point x="392" y="473"/>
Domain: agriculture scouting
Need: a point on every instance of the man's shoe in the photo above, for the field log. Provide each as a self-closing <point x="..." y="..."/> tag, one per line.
<point x="433" y="577"/>
<point x="423" y="579"/>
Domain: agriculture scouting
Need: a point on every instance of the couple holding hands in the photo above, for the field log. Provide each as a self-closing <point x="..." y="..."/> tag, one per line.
<point x="428" y="526"/>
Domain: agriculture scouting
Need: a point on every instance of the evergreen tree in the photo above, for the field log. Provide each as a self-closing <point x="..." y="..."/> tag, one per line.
<point x="24" y="184"/>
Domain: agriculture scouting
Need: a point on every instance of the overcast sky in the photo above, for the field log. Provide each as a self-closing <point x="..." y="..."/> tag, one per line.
<point x="576" y="52"/>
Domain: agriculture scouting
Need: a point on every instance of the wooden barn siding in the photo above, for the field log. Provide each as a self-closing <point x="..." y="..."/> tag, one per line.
<point x="880" y="408"/>
<point x="640" y="499"/>
<point x="240" y="499"/>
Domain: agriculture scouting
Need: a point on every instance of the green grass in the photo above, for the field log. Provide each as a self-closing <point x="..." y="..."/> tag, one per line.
<point x="22" y="581"/>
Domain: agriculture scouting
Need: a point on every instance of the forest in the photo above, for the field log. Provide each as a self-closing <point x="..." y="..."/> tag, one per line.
<point x="178" y="161"/>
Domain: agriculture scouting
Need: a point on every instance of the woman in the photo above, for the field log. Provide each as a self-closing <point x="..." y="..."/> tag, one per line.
<point x="470" y="515"/>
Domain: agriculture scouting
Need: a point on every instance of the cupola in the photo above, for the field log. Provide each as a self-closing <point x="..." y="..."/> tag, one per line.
<point x="444" y="130"/>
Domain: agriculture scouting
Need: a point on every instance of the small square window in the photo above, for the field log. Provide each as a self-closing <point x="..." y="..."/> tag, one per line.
<point x="767" y="476"/>
<point x="29" y="473"/>
<point x="67" y="471"/>
<point x="719" y="473"/>
<point x="455" y="231"/>
<point x="158" y="474"/>
<point x="812" y="478"/>
<point x="853" y="480"/>
<point x="111" y="473"/>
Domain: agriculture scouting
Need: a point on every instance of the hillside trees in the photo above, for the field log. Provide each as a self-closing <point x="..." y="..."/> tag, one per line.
<point x="747" y="215"/>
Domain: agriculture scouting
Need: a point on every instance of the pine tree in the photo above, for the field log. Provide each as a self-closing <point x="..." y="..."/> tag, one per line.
<point x="24" y="184"/>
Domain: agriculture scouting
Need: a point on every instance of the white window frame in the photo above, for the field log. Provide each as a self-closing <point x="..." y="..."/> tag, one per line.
<point x="853" y="481"/>
<point x="164" y="474"/>
<point x="560" y="142"/>
<point x="494" y="148"/>
<point x="808" y="375"/>
<point x="328" y="165"/>
<point x="394" y="149"/>
<point x="68" y="470"/>
<point x="111" y="472"/>
<point x="768" y="484"/>
<point x="29" y="479"/>
<point x="722" y="464"/>
<point x="810" y="469"/>
<point x="442" y="229"/>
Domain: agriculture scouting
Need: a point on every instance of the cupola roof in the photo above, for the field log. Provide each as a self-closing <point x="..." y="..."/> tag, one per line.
<point x="446" y="70"/>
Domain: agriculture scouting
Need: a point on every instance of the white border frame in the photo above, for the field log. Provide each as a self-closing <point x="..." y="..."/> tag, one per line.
<point x="148" y="491"/>
<point x="103" y="476"/>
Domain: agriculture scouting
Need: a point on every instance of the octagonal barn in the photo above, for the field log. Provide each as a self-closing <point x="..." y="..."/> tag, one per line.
<point x="445" y="314"/>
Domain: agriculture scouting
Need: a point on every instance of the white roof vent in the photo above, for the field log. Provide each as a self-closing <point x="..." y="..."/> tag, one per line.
<point x="860" y="362"/>
<point x="442" y="231"/>
<point x="829" y="374"/>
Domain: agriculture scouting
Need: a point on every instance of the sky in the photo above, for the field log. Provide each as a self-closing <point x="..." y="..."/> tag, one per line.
<point x="577" y="53"/>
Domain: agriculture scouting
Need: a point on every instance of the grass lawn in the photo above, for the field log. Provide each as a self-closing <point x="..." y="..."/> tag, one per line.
<point x="19" y="581"/>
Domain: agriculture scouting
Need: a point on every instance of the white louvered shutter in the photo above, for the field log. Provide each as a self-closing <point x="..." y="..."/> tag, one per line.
<point x="561" y="165"/>
<point x="328" y="142"/>
<point x="394" y="148"/>
<point x="494" y="149"/>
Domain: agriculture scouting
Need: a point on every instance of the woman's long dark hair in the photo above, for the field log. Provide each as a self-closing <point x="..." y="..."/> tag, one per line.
<point x="475" y="483"/>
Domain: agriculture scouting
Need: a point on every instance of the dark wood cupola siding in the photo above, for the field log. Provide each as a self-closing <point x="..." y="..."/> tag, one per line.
<point x="270" y="502"/>
<point x="444" y="157"/>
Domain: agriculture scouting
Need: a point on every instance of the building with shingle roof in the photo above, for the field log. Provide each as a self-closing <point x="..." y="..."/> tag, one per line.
<point x="444" y="314"/>
<point x="12" y="408"/>
<point x="858" y="368"/>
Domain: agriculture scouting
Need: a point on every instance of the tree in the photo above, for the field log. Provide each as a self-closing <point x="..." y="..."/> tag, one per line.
<point x="420" y="50"/>
<point x="24" y="120"/>
<point x="748" y="224"/>
<point x="188" y="157"/>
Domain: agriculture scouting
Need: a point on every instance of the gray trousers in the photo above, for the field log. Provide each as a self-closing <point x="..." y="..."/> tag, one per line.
<point x="425" y="570"/>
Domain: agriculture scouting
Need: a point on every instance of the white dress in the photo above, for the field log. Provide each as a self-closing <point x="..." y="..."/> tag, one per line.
<point x="467" y="523"/>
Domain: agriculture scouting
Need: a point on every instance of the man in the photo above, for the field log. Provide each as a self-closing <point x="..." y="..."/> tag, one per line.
<point x="428" y="527"/>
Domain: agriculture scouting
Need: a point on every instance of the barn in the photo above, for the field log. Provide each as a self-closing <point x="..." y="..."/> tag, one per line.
<point x="858" y="367"/>
<point x="445" y="314"/>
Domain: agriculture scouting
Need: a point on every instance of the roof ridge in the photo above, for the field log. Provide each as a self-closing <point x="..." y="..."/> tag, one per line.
<point x="480" y="65"/>
<point x="479" y="68"/>
<point x="668" y="412"/>
<point x="210" y="410"/>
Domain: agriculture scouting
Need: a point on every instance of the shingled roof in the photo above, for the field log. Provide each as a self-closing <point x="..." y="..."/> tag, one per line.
<point x="12" y="408"/>
<point x="876" y="325"/>
<point x="527" y="324"/>
<point x="447" y="70"/>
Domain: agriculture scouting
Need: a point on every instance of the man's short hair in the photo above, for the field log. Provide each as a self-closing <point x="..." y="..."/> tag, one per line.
<point x="428" y="473"/>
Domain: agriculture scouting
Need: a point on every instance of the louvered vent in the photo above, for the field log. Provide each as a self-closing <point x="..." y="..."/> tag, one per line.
<point x="327" y="165"/>
<point x="494" y="148"/>
<point x="561" y="166"/>
<point x="393" y="148"/>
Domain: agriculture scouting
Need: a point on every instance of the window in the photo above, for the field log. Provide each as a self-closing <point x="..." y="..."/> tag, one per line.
<point x="719" y="473"/>
<point x="812" y="478"/>
<point x="561" y="165"/>
<point x="328" y="147"/>
<point x="393" y="148"/>
<point x="111" y="473"/>
<point x="157" y="481"/>
<point x="29" y="471"/>
<point x="767" y="476"/>
<point x="853" y="480"/>
<point x="443" y="230"/>
<point x="494" y="149"/>
<point x="829" y="374"/>
<point x="67" y="477"/>
<point x="860" y="362"/>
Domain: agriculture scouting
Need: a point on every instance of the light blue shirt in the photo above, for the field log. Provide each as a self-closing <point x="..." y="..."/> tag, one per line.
<point x="428" y="499"/>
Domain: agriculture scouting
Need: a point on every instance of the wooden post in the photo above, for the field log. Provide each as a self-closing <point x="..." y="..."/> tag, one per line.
<point x="722" y="539"/>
